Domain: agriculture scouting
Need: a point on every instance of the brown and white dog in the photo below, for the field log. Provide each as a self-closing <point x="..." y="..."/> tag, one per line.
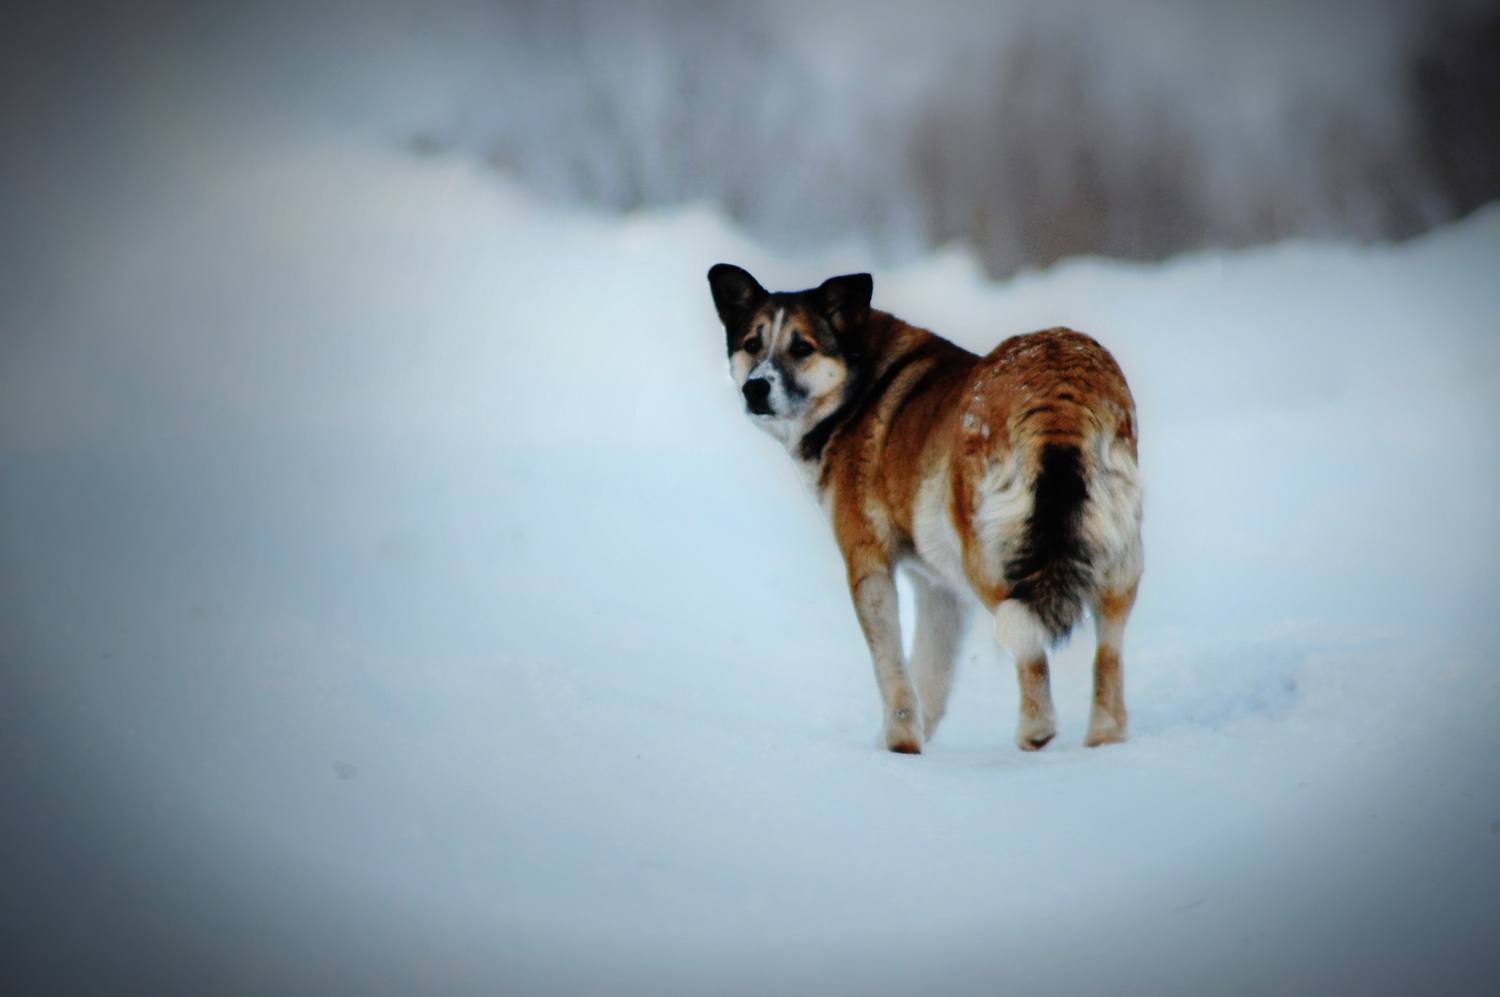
<point x="1011" y="477"/>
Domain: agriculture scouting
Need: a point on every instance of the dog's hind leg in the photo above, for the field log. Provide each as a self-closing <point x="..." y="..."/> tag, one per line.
<point x="1019" y="631"/>
<point x="1107" y="717"/>
<point x="940" y="628"/>
<point x="875" y="603"/>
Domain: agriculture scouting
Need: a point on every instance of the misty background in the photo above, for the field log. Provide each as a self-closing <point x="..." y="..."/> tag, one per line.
<point x="393" y="598"/>
<point x="1026" y="131"/>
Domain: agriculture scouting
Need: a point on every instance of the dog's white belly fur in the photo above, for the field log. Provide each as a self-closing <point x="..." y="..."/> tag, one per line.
<point x="939" y="551"/>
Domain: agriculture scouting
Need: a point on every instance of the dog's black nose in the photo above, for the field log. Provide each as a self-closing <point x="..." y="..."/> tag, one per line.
<point x="758" y="395"/>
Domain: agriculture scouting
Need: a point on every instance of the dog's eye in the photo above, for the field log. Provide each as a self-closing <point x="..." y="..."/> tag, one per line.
<point x="751" y="345"/>
<point x="800" y="348"/>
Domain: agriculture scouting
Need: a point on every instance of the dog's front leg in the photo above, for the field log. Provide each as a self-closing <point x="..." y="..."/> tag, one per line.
<point x="875" y="601"/>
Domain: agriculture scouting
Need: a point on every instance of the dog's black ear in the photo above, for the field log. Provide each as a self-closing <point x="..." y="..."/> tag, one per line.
<point x="846" y="300"/>
<point x="736" y="293"/>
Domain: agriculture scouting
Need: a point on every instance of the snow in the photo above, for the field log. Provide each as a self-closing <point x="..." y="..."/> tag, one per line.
<point x="394" y="599"/>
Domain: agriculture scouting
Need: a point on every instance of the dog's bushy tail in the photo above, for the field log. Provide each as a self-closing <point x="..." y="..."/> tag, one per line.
<point x="1049" y="572"/>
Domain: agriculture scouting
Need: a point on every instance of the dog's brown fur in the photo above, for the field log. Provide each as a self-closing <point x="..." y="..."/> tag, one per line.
<point x="1010" y="475"/>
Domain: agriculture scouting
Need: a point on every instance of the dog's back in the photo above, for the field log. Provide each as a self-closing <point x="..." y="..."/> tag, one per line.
<point x="1013" y="474"/>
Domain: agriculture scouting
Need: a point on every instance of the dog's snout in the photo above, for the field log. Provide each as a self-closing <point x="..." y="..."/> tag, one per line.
<point x="758" y="395"/>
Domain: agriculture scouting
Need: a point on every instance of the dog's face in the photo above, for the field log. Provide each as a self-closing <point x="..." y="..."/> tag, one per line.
<point x="793" y="355"/>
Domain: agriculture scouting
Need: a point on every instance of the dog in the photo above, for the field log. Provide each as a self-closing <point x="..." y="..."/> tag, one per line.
<point x="1009" y="480"/>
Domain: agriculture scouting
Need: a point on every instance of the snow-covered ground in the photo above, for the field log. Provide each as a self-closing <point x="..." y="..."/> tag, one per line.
<point x="394" y="600"/>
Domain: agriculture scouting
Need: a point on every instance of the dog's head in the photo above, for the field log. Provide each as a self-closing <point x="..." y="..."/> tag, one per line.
<point x="794" y="355"/>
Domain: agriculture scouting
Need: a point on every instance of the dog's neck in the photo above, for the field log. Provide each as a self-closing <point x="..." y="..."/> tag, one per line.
<point x="868" y="363"/>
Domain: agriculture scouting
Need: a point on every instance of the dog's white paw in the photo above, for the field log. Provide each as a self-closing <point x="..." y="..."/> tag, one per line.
<point x="1104" y="728"/>
<point x="1034" y="734"/>
<point x="903" y="734"/>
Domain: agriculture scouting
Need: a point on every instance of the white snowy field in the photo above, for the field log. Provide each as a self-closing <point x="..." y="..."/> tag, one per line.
<point x="394" y="597"/>
<point x="393" y="600"/>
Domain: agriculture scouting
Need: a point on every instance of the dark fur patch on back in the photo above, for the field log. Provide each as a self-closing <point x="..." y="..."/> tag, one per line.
<point x="1050" y="571"/>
